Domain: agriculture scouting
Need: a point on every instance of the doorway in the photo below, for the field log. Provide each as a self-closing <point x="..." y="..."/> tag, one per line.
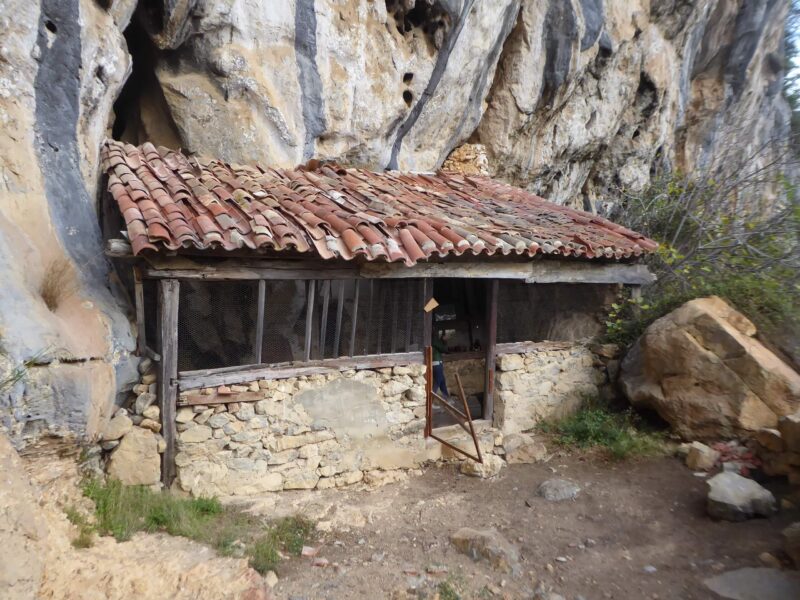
<point x="461" y="327"/>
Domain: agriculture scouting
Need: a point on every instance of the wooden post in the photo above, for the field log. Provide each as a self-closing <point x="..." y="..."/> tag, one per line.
<point x="370" y="309"/>
<point x="427" y="323"/>
<point x="357" y="283"/>
<point x="138" y="289"/>
<point x="168" y="296"/>
<point x="312" y="284"/>
<point x="262" y="295"/>
<point x="491" y="341"/>
<point x="337" y="335"/>
<point x="323" y="326"/>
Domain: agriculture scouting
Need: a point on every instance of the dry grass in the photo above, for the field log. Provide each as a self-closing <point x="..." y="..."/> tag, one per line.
<point x="58" y="283"/>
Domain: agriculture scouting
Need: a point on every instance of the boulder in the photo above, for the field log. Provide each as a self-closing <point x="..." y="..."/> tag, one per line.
<point x="522" y="448"/>
<point x="489" y="545"/>
<point x="136" y="460"/>
<point x="700" y="457"/>
<point x="732" y="497"/>
<point x="558" y="490"/>
<point x="789" y="428"/>
<point x="117" y="427"/>
<point x="770" y="439"/>
<point x="701" y="368"/>
<point x="490" y="467"/>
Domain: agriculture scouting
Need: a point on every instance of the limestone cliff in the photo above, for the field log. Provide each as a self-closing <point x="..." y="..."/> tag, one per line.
<point x="571" y="98"/>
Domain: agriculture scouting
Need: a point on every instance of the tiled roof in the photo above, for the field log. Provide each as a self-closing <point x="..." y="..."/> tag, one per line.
<point x="170" y="201"/>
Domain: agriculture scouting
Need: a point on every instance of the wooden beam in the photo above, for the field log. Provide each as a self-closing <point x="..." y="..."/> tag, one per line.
<point x="589" y="272"/>
<point x="323" y="325"/>
<point x="531" y="271"/>
<point x="357" y="284"/>
<point x="309" y="318"/>
<point x="117" y="248"/>
<point x="215" y="398"/>
<point x="537" y="271"/>
<point x="168" y="298"/>
<point x="138" y="292"/>
<point x="262" y="295"/>
<point x="427" y="323"/>
<point x="491" y="341"/>
<point x="337" y="334"/>
<point x="370" y="311"/>
<point x="215" y="377"/>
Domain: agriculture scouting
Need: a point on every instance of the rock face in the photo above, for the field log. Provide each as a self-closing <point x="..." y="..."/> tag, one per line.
<point x="558" y="490"/>
<point x="735" y="498"/>
<point x="701" y="368"/>
<point x="568" y="98"/>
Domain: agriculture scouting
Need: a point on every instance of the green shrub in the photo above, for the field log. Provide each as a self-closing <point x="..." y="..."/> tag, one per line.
<point x="264" y="555"/>
<point x="447" y="591"/>
<point x="292" y="533"/>
<point x="621" y="434"/>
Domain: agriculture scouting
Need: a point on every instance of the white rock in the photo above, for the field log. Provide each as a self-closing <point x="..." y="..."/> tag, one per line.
<point x="117" y="427"/>
<point x="136" y="460"/>
<point x="735" y="498"/>
<point x="490" y="467"/>
<point x="700" y="457"/>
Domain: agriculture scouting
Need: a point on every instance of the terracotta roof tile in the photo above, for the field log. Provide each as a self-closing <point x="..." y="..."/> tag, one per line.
<point x="170" y="201"/>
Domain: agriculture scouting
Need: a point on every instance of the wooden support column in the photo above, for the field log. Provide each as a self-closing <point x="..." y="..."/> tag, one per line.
<point x="168" y="296"/>
<point x="262" y="296"/>
<point x="312" y="286"/>
<point x="427" y="323"/>
<point x="138" y="292"/>
<point x="491" y="350"/>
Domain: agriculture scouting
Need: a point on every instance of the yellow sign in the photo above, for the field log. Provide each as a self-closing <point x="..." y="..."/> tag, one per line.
<point x="432" y="303"/>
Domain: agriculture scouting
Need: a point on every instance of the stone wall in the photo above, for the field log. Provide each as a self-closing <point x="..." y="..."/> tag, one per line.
<point x="343" y="428"/>
<point x="550" y="381"/>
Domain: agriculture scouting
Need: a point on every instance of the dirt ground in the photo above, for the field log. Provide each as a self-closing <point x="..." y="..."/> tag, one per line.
<point x="630" y="517"/>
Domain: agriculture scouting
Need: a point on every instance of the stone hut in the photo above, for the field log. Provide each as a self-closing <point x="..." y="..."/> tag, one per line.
<point x="288" y="314"/>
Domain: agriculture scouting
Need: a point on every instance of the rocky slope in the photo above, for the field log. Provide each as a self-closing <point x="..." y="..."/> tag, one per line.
<point x="571" y="98"/>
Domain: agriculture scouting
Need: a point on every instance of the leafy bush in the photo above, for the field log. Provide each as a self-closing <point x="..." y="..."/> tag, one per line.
<point x="621" y="434"/>
<point x="122" y="510"/>
<point x="85" y="537"/>
<point x="713" y="244"/>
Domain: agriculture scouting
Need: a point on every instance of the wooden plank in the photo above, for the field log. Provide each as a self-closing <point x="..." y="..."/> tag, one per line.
<point x="395" y="292"/>
<point x="309" y="318"/>
<point x="118" y="248"/>
<point x="138" y="292"/>
<point x="491" y="341"/>
<point x="217" y="377"/>
<point x="481" y="270"/>
<point x="168" y="298"/>
<point x="354" y="328"/>
<point x="589" y="272"/>
<point x="323" y="325"/>
<point x="251" y="273"/>
<point x="337" y="334"/>
<point x="427" y="323"/>
<point x="370" y="310"/>
<point x="262" y="295"/>
<point x="203" y="399"/>
<point x="534" y="271"/>
<point x="409" y="314"/>
<point x="381" y="302"/>
<point x="522" y="347"/>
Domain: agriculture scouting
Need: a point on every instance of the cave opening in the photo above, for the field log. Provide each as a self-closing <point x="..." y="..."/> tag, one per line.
<point x="646" y="97"/>
<point x="429" y="16"/>
<point x="141" y="112"/>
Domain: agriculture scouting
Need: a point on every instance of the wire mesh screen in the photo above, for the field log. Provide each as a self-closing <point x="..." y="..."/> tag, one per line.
<point x="360" y="317"/>
<point x="516" y="312"/>
<point x="284" y="321"/>
<point x="216" y="324"/>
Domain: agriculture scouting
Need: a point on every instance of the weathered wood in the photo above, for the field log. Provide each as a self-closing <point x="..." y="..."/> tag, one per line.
<point x="589" y="272"/>
<point x="309" y="319"/>
<point x="531" y="271"/>
<point x="519" y="347"/>
<point x="370" y="311"/>
<point x="262" y="295"/>
<point x="210" y="399"/>
<point x="355" y="318"/>
<point x="337" y="334"/>
<point x="323" y="325"/>
<point x="491" y="341"/>
<point x="138" y="292"/>
<point x="168" y="298"/>
<point x="427" y="323"/>
<point x="215" y="377"/>
<point x="395" y="292"/>
<point x="409" y="314"/>
<point x="118" y="248"/>
<point x="536" y="271"/>
<point x="381" y="302"/>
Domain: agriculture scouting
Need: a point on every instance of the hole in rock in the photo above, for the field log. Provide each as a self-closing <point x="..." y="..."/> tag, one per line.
<point x="408" y="77"/>
<point x="408" y="97"/>
<point x="429" y="16"/>
<point x="51" y="27"/>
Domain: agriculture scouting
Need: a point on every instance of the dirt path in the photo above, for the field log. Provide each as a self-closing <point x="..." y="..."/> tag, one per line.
<point x="629" y="518"/>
